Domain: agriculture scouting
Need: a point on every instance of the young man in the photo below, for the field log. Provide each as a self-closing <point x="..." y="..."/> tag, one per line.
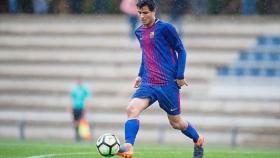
<point x="79" y="94"/>
<point x="160" y="77"/>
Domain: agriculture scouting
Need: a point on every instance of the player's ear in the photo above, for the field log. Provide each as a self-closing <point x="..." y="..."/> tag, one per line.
<point x="154" y="13"/>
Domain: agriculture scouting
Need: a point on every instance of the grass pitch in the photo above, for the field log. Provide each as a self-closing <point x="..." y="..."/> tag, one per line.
<point x="56" y="149"/>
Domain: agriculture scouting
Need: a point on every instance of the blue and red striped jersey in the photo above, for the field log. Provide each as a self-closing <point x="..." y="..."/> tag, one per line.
<point x="163" y="54"/>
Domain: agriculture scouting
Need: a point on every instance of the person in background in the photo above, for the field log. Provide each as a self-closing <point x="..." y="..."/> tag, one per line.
<point x="79" y="95"/>
<point x="129" y="8"/>
<point x="13" y="6"/>
<point x="76" y="6"/>
<point x="199" y="7"/>
<point x="37" y="6"/>
<point x="40" y="6"/>
<point x="248" y="7"/>
<point x="178" y="9"/>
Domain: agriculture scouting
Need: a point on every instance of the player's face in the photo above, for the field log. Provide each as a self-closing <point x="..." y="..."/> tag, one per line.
<point x="146" y="16"/>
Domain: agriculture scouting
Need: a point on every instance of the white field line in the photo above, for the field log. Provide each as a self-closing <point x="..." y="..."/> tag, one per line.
<point x="86" y="153"/>
<point x="171" y="152"/>
<point x="63" y="154"/>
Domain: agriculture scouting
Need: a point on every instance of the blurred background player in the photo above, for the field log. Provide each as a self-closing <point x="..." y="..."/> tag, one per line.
<point x="79" y="100"/>
<point x="160" y="78"/>
<point x="76" y="6"/>
<point x="178" y="9"/>
<point x="129" y="8"/>
<point x="38" y="6"/>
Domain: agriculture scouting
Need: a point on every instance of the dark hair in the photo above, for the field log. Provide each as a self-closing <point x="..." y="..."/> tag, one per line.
<point x="150" y="3"/>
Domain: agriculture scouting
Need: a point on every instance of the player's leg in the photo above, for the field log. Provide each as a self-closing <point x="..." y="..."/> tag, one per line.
<point x="76" y="121"/>
<point x="135" y="107"/>
<point x="169" y="100"/>
<point x="187" y="129"/>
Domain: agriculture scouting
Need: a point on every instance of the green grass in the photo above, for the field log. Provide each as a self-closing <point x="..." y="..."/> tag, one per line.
<point x="56" y="149"/>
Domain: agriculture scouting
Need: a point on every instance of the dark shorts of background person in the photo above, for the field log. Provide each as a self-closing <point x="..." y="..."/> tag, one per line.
<point x="77" y="114"/>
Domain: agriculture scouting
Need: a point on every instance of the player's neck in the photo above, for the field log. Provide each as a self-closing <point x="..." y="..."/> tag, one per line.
<point x="151" y="24"/>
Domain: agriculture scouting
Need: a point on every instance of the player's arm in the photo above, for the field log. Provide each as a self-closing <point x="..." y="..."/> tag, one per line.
<point x="88" y="95"/>
<point x="176" y="43"/>
<point x="69" y="105"/>
<point x="138" y="78"/>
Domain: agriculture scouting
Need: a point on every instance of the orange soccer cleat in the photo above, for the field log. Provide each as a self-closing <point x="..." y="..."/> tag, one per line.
<point x="126" y="151"/>
<point x="198" y="147"/>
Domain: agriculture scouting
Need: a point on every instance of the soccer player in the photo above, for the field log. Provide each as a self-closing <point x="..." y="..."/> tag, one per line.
<point x="160" y="78"/>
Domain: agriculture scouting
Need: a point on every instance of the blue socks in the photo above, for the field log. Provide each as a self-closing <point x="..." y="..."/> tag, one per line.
<point x="131" y="130"/>
<point x="132" y="127"/>
<point x="191" y="133"/>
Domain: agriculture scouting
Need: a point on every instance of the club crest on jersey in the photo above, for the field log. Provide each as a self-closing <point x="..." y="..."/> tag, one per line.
<point x="152" y="34"/>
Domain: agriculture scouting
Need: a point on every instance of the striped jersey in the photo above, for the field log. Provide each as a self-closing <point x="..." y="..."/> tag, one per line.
<point x="163" y="54"/>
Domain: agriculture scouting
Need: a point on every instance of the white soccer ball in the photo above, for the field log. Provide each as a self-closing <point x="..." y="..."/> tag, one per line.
<point x="108" y="145"/>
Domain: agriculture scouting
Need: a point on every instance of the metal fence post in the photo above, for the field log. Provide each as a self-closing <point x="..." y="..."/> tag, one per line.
<point x="22" y="125"/>
<point x="234" y="134"/>
<point x="161" y="133"/>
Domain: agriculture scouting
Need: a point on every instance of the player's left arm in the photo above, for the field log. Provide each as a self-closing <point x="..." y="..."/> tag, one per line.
<point x="87" y="95"/>
<point x="176" y="43"/>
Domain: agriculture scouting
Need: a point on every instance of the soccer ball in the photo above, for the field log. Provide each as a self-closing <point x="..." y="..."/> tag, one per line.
<point x="108" y="145"/>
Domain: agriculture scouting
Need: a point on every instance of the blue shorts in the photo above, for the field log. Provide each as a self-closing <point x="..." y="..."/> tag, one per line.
<point x="168" y="96"/>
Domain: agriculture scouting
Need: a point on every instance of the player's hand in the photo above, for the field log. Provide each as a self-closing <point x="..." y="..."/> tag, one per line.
<point x="181" y="83"/>
<point x="137" y="82"/>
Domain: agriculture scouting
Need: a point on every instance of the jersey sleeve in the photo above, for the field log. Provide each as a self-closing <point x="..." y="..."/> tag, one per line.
<point x="175" y="42"/>
<point x="141" y="69"/>
<point x="87" y="91"/>
<point x="72" y="92"/>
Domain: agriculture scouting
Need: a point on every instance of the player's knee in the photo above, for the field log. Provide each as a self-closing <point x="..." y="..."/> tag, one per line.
<point x="175" y="125"/>
<point x="132" y="112"/>
<point x="178" y="125"/>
